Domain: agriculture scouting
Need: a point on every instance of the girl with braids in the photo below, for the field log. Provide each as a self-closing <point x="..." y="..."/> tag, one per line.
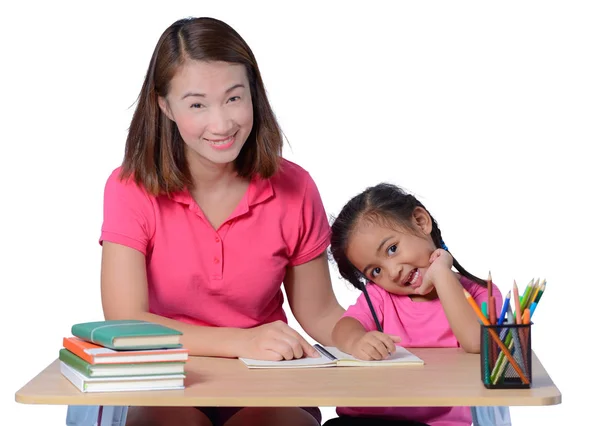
<point x="388" y="238"/>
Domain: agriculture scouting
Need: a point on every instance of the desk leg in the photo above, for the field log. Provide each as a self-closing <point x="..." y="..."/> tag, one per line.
<point x="94" y="415"/>
<point x="491" y="416"/>
<point x="112" y="415"/>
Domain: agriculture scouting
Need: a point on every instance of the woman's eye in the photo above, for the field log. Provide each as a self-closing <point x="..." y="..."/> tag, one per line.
<point x="197" y="106"/>
<point x="375" y="272"/>
<point x="234" y="98"/>
<point x="392" y="249"/>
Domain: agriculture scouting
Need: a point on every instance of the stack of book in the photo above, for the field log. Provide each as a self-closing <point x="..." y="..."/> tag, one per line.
<point x="127" y="355"/>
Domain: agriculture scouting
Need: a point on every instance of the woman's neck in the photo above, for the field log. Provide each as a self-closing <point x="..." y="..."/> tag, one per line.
<point x="208" y="176"/>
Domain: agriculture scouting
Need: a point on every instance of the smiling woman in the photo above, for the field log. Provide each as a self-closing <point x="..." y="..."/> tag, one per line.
<point x="201" y="178"/>
<point x="214" y="121"/>
<point x="206" y="81"/>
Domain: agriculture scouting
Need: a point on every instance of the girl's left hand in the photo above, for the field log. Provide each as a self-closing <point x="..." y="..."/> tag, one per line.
<point x="440" y="260"/>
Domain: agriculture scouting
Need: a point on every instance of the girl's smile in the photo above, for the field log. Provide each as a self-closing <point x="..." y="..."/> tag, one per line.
<point x="394" y="259"/>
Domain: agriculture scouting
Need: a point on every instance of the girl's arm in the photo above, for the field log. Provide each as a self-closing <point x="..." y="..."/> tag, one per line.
<point x="346" y="333"/>
<point x="312" y="301"/>
<point x="124" y="288"/>
<point x="351" y="337"/>
<point x="461" y="317"/>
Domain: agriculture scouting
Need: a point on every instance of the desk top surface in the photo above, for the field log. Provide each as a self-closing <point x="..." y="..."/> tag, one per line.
<point x="450" y="377"/>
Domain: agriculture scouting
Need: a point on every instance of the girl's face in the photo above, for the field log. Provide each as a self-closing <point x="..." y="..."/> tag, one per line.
<point x="212" y="106"/>
<point x="394" y="259"/>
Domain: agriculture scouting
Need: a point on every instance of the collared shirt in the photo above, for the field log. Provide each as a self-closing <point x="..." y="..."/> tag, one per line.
<point x="230" y="276"/>
<point x="418" y="324"/>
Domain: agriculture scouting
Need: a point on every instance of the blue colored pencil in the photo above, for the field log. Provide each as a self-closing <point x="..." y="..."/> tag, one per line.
<point x="504" y="309"/>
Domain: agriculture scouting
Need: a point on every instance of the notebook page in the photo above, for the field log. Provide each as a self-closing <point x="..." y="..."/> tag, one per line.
<point x="293" y="363"/>
<point x="401" y="356"/>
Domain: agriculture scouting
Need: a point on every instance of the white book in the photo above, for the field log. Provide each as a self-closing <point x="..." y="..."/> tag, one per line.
<point x="121" y="384"/>
<point x="333" y="357"/>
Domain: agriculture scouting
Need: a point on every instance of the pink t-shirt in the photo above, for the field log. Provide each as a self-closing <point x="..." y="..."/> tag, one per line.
<point x="419" y="324"/>
<point x="229" y="277"/>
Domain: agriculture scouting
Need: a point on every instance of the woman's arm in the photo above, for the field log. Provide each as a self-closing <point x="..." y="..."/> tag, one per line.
<point x="311" y="298"/>
<point x="124" y="288"/>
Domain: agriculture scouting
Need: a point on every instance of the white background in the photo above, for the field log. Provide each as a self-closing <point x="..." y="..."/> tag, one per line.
<point x="487" y="112"/>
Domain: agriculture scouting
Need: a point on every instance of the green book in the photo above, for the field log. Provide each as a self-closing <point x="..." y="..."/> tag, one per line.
<point x="128" y="334"/>
<point x="120" y="370"/>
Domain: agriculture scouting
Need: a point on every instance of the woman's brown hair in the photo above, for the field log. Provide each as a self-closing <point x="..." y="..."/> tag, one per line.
<point x="154" y="152"/>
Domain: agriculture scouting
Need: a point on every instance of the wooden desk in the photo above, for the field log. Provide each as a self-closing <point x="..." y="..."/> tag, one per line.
<point x="450" y="377"/>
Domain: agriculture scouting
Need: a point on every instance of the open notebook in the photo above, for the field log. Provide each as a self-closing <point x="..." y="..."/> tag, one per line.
<point x="341" y="359"/>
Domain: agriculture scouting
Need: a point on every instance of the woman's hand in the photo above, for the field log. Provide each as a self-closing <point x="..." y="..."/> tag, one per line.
<point x="374" y="345"/>
<point x="440" y="262"/>
<point x="274" y="342"/>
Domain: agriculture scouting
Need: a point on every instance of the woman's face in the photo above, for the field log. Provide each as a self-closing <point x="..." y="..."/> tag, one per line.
<point x="211" y="104"/>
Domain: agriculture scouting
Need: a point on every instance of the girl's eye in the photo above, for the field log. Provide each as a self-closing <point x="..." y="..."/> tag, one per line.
<point x="375" y="272"/>
<point x="233" y="99"/>
<point x="197" y="106"/>
<point x="392" y="249"/>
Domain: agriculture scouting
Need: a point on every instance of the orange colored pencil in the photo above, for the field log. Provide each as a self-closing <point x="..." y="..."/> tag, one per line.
<point x="492" y="333"/>
<point x="526" y="316"/>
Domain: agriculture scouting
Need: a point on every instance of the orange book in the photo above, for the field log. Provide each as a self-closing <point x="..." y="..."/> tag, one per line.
<point x="95" y="354"/>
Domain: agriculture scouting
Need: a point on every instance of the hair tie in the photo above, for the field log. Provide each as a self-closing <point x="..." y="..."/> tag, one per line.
<point x="444" y="246"/>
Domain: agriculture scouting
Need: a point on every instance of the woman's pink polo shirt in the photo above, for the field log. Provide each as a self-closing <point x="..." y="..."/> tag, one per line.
<point x="227" y="277"/>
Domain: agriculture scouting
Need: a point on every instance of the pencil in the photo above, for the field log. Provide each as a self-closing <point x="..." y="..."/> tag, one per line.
<point x="363" y="282"/>
<point x="505" y="306"/>
<point x="517" y="338"/>
<point x="493" y="320"/>
<point x="501" y="363"/>
<point x="517" y="302"/>
<point x="526" y="316"/>
<point x="540" y="292"/>
<point x="527" y="335"/>
<point x="537" y="301"/>
<point x="492" y="333"/>
<point x="525" y="296"/>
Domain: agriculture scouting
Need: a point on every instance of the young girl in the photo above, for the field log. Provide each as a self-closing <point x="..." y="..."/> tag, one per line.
<point x="388" y="237"/>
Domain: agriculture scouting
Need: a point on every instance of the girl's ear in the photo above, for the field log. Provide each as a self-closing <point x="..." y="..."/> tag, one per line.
<point x="421" y="220"/>
<point x="164" y="107"/>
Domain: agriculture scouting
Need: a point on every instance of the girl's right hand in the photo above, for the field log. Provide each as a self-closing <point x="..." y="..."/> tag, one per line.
<point x="374" y="345"/>
<point x="276" y="341"/>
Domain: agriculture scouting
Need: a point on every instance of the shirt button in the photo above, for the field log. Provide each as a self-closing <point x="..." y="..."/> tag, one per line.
<point x="216" y="260"/>
<point x="217" y="239"/>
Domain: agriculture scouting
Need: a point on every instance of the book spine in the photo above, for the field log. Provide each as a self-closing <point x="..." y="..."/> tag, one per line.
<point x="72" y="377"/>
<point x="77" y="350"/>
<point x="75" y="362"/>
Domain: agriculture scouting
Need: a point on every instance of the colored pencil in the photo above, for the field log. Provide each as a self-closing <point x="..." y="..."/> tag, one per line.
<point x="505" y="306"/>
<point x="527" y="315"/>
<point x="534" y="304"/>
<point x="517" y="302"/>
<point x="492" y="333"/>
<point x="519" y="354"/>
<point x="524" y="299"/>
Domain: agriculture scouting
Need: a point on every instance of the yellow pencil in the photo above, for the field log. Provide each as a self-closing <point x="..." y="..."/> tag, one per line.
<point x="534" y="293"/>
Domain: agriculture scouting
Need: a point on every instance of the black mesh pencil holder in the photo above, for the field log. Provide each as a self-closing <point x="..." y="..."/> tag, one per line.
<point x="506" y="356"/>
